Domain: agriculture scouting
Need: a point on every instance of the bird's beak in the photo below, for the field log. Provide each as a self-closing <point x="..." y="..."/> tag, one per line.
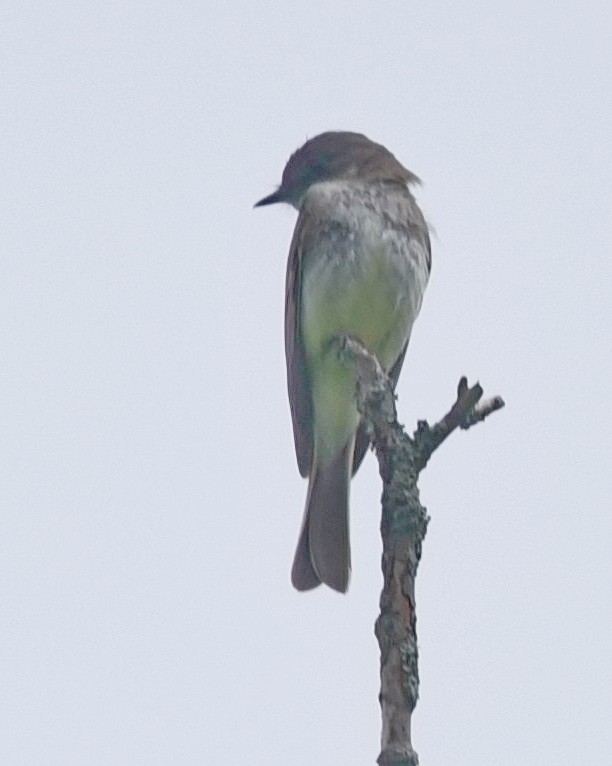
<point x="270" y="199"/>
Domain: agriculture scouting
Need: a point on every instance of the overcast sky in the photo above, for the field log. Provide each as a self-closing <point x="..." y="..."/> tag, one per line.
<point x="150" y="498"/>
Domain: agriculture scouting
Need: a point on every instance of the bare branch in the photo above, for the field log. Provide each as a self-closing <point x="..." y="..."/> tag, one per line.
<point x="482" y="410"/>
<point x="465" y="413"/>
<point x="403" y="528"/>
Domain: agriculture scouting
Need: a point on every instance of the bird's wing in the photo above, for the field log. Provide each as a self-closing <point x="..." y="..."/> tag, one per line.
<point x="298" y="383"/>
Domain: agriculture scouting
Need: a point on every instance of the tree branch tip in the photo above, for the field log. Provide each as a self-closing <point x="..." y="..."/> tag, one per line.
<point x="481" y="411"/>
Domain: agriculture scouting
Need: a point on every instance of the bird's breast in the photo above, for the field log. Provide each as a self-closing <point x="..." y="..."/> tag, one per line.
<point x="364" y="276"/>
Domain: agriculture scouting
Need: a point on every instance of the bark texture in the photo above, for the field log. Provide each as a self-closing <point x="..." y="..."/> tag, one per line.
<point x="403" y="528"/>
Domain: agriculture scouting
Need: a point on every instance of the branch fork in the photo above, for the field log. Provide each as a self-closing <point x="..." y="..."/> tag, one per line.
<point x="403" y="527"/>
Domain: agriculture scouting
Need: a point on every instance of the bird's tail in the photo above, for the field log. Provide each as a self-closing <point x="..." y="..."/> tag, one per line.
<point x="323" y="553"/>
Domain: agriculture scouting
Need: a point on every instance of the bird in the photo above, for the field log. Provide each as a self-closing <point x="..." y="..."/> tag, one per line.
<point x="358" y="266"/>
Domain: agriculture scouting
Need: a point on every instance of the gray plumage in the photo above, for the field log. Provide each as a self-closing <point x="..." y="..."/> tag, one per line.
<point x="358" y="265"/>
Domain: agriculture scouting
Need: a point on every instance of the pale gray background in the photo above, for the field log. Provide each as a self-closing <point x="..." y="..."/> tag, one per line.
<point x="150" y="496"/>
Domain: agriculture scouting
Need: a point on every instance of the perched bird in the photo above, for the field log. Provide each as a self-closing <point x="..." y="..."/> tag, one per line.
<point x="358" y="266"/>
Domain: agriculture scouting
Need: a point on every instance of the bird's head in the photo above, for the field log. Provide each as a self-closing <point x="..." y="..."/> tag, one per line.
<point x="335" y="156"/>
